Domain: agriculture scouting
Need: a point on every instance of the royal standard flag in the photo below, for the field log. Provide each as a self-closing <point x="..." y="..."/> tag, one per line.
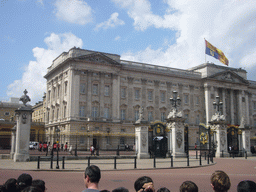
<point x="215" y="52"/>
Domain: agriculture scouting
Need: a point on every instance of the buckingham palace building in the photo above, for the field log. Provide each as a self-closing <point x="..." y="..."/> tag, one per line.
<point x="94" y="98"/>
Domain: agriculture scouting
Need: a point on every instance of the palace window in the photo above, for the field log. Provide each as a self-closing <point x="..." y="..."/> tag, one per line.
<point x="106" y="112"/>
<point x="94" y="112"/>
<point x="150" y="95"/>
<point x="7" y="113"/>
<point x="49" y="95"/>
<point x="95" y="89"/>
<point x="66" y="87"/>
<point x="57" y="116"/>
<point x="254" y="105"/>
<point x="197" y="120"/>
<point x="123" y="92"/>
<point x="162" y="96"/>
<point x="197" y="100"/>
<point x="122" y="114"/>
<point x="82" y="111"/>
<point x="122" y="140"/>
<point x="65" y="111"/>
<point x="186" y="118"/>
<point x="58" y="91"/>
<point x="163" y="117"/>
<point x="137" y="94"/>
<point x="136" y="112"/>
<point x="82" y="88"/>
<point x="186" y="99"/>
<point x="82" y="139"/>
<point x="106" y="90"/>
<point x="150" y="116"/>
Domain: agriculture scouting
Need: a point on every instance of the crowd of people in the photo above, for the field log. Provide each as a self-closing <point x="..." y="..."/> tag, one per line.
<point x="220" y="182"/>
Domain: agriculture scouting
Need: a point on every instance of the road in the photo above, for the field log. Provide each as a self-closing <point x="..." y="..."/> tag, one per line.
<point x="59" y="181"/>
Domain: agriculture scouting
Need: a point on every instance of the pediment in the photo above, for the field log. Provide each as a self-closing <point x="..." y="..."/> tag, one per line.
<point x="229" y="76"/>
<point x="98" y="58"/>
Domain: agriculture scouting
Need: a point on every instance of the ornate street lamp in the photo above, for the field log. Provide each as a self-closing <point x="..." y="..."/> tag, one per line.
<point x="217" y="104"/>
<point x="175" y="101"/>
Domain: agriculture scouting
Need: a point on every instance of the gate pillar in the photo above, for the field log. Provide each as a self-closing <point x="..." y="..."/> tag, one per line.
<point x="221" y="139"/>
<point x="175" y="123"/>
<point x="141" y="141"/>
<point x="245" y="143"/>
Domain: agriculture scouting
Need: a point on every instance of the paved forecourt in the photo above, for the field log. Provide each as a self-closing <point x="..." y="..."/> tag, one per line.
<point x="58" y="181"/>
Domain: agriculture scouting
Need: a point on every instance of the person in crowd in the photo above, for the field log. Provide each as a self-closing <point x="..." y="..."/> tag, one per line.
<point x="66" y="147"/>
<point x="39" y="183"/>
<point x="9" y="186"/>
<point x="220" y="181"/>
<point x="144" y="183"/>
<point x="163" y="189"/>
<point x="104" y="190"/>
<point x="32" y="189"/>
<point x="188" y="186"/>
<point x="70" y="150"/>
<point x="120" y="189"/>
<point x="246" y="186"/>
<point x="92" y="177"/>
<point x="23" y="181"/>
<point x="92" y="150"/>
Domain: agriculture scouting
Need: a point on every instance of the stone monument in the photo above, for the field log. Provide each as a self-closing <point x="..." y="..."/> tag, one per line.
<point x="218" y="124"/>
<point x="175" y="123"/>
<point x="246" y="143"/>
<point x="24" y="114"/>
<point x="141" y="136"/>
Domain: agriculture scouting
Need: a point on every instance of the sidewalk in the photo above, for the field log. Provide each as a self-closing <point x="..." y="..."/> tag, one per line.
<point x="103" y="164"/>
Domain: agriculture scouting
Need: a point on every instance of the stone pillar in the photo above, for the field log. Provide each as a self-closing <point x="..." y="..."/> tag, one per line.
<point x="176" y="126"/>
<point x="13" y="142"/>
<point x="221" y="137"/>
<point x="247" y="110"/>
<point x="232" y="107"/>
<point x="24" y="119"/>
<point x="245" y="143"/>
<point x="141" y="140"/>
<point x="224" y="102"/>
<point x="208" y="107"/>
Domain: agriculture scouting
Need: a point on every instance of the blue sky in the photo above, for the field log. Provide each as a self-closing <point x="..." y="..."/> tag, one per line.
<point x="165" y="32"/>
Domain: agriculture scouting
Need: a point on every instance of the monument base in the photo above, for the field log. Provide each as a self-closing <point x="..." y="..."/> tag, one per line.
<point x="19" y="157"/>
<point x="179" y="154"/>
<point x="224" y="154"/>
<point x="143" y="156"/>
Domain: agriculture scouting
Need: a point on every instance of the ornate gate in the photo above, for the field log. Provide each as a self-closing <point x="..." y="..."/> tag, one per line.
<point x="158" y="142"/>
<point x="232" y="137"/>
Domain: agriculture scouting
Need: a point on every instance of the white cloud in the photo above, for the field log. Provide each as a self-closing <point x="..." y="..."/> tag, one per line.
<point x="41" y="2"/>
<point x="32" y="78"/>
<point x="73" y="11"/>
<point x="228" y="25"/>
<point x="111" y="22"/>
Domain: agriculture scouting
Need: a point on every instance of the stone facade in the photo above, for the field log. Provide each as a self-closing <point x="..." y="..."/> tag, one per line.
<point x="94" y="97"/>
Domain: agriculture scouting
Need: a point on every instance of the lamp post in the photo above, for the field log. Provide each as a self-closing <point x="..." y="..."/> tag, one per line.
<point x="57" y="130"/>
<point x="175" y="100"/>
<point x="217" y="104"/>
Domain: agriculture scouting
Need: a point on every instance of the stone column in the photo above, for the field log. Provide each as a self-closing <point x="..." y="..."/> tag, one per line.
<point x="232" y="106"/>
<point x="247" y="110"/>
<point x="207" y="95"/>
<point x="240" y="106"/>
<point x="13" y="141"/>
<point x="224" y="101"/>
<point x="141" y="140"/>
<point x="176" y="126"/>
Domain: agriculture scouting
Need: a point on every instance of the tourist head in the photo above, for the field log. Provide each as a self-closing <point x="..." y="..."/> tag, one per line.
<point x="246" y="186"/>
<point x="39" y="183"/>
<point x="24" y="180"/>
<point x="32" y="189"/>
<point x="92" y="175"/>
<point x="188" y="186"/>
<point x="163" y="189"/>
<point x="10" y="185"/>
<point x="220" y="181"/>
<point x="120" y="189"/>
<point x="143" y="184"/>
